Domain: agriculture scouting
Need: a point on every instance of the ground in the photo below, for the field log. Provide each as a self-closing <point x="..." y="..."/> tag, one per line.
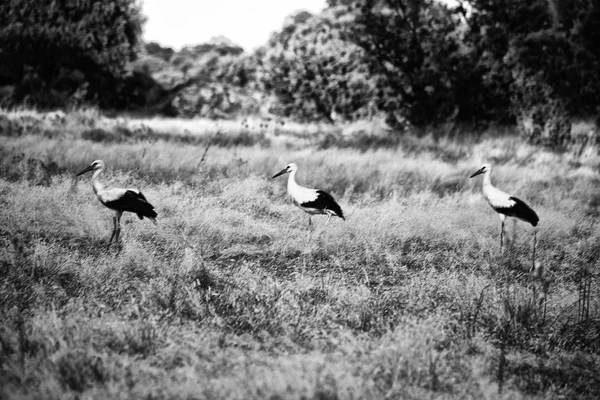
<point x="230" y="296"/>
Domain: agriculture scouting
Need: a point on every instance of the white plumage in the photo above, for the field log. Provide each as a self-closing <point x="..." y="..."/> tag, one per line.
<point x="311" y="201"/>
<point x="496" y="197"/>
<point x="301" y="195"/>
<point x="113" y="194"/>
<point x="119" y="200"/>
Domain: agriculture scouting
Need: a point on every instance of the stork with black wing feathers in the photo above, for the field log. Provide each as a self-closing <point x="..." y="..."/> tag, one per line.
<point x="311" y="201"/>
<point x="119" y="200"/>
<point x="505" y="204"/>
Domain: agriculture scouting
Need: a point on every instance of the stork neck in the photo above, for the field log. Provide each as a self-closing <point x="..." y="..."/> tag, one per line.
<point x="487" y="181"/>
<point x="487" y="178"/>
<point x="96" y="181"/>
<point x="292" y="181"/>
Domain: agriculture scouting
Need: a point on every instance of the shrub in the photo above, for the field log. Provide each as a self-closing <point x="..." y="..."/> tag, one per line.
<point x="542" y="118"/>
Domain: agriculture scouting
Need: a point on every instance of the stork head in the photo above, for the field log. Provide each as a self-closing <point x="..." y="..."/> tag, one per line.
<point x="484" y="168"/>
<point x="288" y="168"/>
<point x="98" y="164"/>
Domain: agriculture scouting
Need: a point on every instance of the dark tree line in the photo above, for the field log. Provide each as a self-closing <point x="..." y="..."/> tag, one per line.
<point x="532" y="61"/>
<point x="419" y="62"/>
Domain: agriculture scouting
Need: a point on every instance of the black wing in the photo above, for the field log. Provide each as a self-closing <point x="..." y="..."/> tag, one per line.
<point x="520" y="210"/>
<point x="325" y="201"/>
<point x="134" y="202"/>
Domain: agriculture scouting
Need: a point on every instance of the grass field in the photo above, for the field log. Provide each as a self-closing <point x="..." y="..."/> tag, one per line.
<point x="229" y="297"/>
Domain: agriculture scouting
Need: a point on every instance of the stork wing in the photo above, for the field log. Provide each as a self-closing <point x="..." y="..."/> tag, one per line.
<point x="324" y="201"/>
<point x="519" y="209"/>
<point x="129" y="200"/>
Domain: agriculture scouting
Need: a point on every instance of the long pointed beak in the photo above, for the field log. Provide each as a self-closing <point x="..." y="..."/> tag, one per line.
<point x="88" y="168"/>
<point x="283" y="171"/>
<point x="477" y="173"/>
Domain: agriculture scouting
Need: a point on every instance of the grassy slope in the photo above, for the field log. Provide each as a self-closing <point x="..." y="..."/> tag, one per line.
<point x="226" y="298"/>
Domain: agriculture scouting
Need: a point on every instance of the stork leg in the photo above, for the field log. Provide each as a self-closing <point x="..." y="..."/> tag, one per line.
<point x="114" y="231"/>
<point x="534" y="245"/>
<point x="309" y="221"/>
<point x="501" y="236"/>
<point x="328" y="218"/>
<point x="118" y="229"/>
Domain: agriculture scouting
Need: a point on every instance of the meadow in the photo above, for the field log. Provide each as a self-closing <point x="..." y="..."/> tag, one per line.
<point x="230" y="296"/>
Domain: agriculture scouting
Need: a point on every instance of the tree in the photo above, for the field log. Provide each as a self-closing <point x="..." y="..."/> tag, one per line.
<point x="416" y="45"/>
<point x="544" y="57"/>
<point x="56" y="45"/>
<point x="315" y="73"/>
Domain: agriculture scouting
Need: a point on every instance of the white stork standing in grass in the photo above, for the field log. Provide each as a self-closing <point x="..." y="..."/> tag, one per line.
<point x="119" y="200"/>
<point x="506" y="205"/>
<point x="311" y="201"/>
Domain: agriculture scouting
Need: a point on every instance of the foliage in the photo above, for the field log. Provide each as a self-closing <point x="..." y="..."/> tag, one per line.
<point x="228" y="84"/>
<point x="56" y="49"/>
<point x="156" y="50"/>
<point x="416" y="46"/>
<point x="223" y="78"/>
<point x="483" y="60"/>
<point x="542" y="119"/>
<point x="315" y="73"/>
<point x="541" y="56"/>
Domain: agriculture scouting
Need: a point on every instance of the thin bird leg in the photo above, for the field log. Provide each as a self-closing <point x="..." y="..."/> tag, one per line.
<point x="118" y="228"/>
<point x="114" y="231"/>
<point x="328" y="218"/>
<point x="534" y="243"/>
<point x="308" y="230"/>
<point x="501" y="236"/>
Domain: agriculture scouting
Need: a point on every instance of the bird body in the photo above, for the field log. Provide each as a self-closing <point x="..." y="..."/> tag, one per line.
<point x="119" y="200"/>
<point x="506" y="205"/>
<point x="131" y="200"/>
<point x="311" y="201"/>
<point x="503" y="203"/>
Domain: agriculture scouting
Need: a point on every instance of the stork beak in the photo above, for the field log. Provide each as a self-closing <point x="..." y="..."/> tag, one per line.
<point x="479" y="172"/>
<point x="283" y="171"/>
<point x="88" y="168"/>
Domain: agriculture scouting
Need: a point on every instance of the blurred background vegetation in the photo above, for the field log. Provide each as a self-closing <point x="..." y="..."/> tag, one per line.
<point x="530" y="63"/>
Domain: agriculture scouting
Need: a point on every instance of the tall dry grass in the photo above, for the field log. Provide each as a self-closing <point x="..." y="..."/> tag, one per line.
<point x="226" y="297"/>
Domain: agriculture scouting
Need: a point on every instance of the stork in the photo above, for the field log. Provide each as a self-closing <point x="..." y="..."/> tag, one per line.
<point x="506" y="205"/>
<point x="119" y="200"/>
<point x="311" y="201"/>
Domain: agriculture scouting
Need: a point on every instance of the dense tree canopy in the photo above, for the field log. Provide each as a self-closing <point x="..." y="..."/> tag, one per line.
<point x="533" y="61"/>
<point x="416" y="46"/>
<point x="316" y="73"/>
<point x="60" y="45"/>
<point x="540" y="58"/>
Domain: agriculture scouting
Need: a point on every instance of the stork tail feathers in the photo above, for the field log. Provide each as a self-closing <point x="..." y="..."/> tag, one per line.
<point x="330" y="203"/>
<point x="522" y="211"/>
<point x="134" y="202"/>
<point x="147" y="211"/>
<point x="339" y="212"/>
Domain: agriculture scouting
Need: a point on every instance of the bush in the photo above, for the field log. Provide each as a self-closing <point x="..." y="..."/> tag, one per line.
<point x="542" y="118"/>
